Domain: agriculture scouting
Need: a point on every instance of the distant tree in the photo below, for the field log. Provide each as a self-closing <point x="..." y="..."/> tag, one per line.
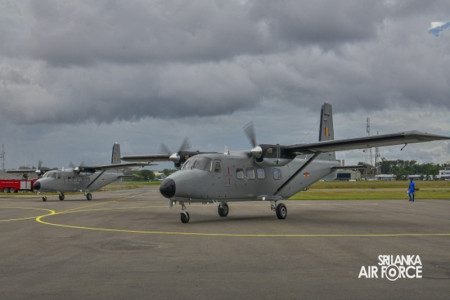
<point x="147" y="175"/>
<point x="403" y="168"/>
<point x="167" y="172"/>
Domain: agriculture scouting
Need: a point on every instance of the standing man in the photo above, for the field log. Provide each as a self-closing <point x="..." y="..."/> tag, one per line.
<point x="412" y="187"/>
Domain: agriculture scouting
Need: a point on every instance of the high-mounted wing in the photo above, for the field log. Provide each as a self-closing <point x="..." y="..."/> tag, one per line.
<point x="93" y="169"/>
<point x="177" y="158"/>
<point x="408" y="137"/>
<point x="146" y="158"/>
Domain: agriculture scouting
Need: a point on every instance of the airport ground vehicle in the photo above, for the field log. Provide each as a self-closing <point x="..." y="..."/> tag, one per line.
<point x="15" y="185"/>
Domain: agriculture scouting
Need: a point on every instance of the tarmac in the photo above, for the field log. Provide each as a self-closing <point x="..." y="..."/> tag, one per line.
<point x="131" y="245"/>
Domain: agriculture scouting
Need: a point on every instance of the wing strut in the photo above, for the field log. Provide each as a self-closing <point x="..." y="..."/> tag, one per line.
<point x="298" y="171"/>
<point x="92" y="182"/>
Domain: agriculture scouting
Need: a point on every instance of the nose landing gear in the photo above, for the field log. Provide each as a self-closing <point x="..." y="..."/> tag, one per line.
<point x="223" y="209"/>
<point x="184" y="215"/>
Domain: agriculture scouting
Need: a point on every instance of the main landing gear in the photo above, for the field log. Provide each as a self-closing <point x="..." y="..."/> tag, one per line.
<point x="223" y="210"/>
<point x="280" y="210"/>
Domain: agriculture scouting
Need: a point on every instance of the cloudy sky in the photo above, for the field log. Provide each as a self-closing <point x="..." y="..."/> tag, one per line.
<point x="77" y="76"/>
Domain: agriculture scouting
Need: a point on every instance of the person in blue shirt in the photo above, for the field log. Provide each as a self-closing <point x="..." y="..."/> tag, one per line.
<point x="412" y="187"/>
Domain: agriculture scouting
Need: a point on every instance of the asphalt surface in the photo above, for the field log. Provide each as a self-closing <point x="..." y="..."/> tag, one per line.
<point x="130" y="245"/>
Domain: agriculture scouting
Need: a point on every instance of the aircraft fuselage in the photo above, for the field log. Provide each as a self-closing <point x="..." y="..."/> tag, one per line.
<point x="68" y="181"/>
<point x="238" y="177"/>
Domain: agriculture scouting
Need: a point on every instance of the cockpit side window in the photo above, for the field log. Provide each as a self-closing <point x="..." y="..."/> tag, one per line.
<point x="217" y="166"/>
<point x="239" y="173"/>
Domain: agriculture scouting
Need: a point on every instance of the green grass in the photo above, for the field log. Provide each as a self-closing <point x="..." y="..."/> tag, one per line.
<point x="368" y="195"/>
<point x="378" y="184"/>
<point x="369" y="190"/>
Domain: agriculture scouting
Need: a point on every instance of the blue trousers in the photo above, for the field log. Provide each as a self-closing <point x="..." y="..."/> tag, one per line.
<point x="411" y="195"/>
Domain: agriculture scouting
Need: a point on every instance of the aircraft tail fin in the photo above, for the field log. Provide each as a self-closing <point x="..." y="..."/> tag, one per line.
<point x="326" y="132"/>
<point x="115" y="159"/>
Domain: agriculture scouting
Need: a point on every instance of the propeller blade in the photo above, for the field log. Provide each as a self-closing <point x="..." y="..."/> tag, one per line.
<point x="249" y="130"/>
<point x="164" y="149"/>
<point x="185" y="145"/>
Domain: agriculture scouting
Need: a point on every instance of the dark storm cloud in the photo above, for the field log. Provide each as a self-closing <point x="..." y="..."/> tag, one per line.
<point x="102" y="61"/>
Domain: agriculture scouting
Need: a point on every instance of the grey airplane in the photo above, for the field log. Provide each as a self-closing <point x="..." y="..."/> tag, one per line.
<point x="268" y="172"/>
<point x="83" y="178"/>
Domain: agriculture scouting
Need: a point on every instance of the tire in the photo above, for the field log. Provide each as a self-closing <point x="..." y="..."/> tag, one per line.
<point x="61" y="197"/>
<point x="281" y="211"/>
<point x="184" y="216"/>
<point x="89" y="196"/>
<point x="223" y="209"/>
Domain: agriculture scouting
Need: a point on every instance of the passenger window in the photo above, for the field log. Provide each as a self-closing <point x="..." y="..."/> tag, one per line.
<point x="217" y="166"/>
<point x="239" y="173"/>
<point x="251" y="173"/>
<point x="276" y="174"/>
<point x="260" y="173"/>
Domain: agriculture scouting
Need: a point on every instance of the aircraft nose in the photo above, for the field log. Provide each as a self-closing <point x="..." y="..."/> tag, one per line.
<point x="37" y="185"/>
<point x="167" y="188"/>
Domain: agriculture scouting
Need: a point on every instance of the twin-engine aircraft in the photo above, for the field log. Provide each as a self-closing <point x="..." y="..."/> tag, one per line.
<point x="268" y="172"/>
<point x="83" y="178"/>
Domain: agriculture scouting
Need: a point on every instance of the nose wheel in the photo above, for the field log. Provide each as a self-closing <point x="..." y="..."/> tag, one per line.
<point x="223" y="209"/>
<point x="184" y="215"/>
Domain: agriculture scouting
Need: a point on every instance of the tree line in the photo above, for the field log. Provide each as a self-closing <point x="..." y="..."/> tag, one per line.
<point x="403" y="168"/>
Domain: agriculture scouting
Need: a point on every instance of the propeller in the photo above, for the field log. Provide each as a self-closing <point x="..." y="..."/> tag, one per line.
<point x="249" y="130"/>
<point x="178" y="157"/>
<point x="40" y="169"/>
<point x="76" y="169"/>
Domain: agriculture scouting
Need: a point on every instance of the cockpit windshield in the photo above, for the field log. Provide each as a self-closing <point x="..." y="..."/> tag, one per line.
<point x="50" y="174"/>
<point x="200" y="163"/>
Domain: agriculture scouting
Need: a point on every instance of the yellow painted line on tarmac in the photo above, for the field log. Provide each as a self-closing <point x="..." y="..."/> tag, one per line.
<point x="83" y="208"/>
<point x="88" y="208"/>
<point x="52" y="212"/>
<point x="39" y="219"/>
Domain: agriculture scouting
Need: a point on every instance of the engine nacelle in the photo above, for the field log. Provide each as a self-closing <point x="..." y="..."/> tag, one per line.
<point x="272" y="155"/>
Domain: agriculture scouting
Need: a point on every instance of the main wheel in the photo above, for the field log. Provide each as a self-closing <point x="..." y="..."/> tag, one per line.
<point x="185" y="217"/>
<point x="281" y="211"/>
<point x="44" y="198"/>
<point x="223" y="209"/>
<point x="89" y="196"/>
<point x="61" y="196"/>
